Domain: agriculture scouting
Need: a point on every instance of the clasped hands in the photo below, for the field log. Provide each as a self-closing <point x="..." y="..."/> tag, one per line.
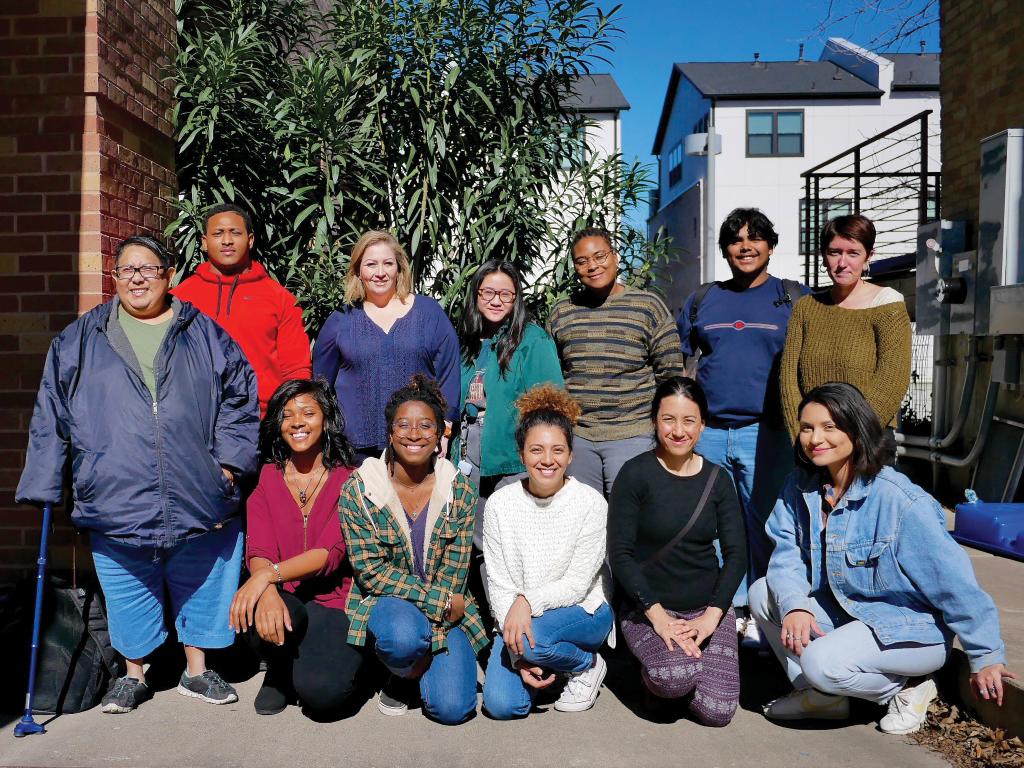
<point x="686" y="634"/>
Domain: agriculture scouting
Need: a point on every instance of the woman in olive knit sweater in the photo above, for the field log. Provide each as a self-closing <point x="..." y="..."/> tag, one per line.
<point x="855" y="332"/>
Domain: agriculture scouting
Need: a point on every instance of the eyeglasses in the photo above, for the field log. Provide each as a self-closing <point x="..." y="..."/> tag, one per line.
<point x="148" y="272"/>
<point x="505" y="296"/>
<point x="599" y="259"/>
<point x="403" y="426"/>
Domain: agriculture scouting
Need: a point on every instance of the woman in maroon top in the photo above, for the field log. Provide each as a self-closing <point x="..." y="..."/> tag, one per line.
<point x="293" y="605"/>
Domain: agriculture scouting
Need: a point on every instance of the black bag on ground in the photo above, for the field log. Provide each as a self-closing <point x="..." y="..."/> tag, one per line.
<point x="76" y="660"/>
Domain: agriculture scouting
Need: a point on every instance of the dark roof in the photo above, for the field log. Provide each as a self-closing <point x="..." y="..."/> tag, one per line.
<point x="914" y="71"/>
<point x="596" y="93"/>
<point x="775" y="79"/>
<point x="766" y="80"/>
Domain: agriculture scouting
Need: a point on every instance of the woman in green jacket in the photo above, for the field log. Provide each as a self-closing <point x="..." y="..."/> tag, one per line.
<point x="503" y="356"/>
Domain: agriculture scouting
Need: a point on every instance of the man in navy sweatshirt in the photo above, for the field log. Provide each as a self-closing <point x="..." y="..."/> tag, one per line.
<point x="733" y="333"/>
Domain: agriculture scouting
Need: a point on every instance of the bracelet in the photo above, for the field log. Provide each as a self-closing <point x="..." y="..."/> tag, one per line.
<point x="447" y="605"/>
<point x="277" y="570"/>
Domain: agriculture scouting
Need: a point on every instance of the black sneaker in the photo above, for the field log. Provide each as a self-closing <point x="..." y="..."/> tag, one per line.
<point x="209" y="686"/>
<point x="125" y="694"/>
<point x="396" y="695"/>
<point x="273" y="695"/>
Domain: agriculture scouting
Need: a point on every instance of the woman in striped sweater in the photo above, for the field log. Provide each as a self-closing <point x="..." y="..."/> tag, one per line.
<point x="616" y="344"/>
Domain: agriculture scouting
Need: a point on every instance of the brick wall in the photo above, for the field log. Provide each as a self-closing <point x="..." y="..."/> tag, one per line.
<point x="86" y="159"/>
<point x="982" y="93"/>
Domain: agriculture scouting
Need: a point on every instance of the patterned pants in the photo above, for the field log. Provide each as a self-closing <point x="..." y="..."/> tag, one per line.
<point x="713" y="679"/>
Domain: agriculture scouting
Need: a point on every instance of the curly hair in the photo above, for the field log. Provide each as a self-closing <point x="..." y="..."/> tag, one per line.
<point x="337" y="451"/>
<point x="547" y="405"/>
<point x="420" y="389"/>
<point x="601" y="232"/>
<point x="757" y="224"/>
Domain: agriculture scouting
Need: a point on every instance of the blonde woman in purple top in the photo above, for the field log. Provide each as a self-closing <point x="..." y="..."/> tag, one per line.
<point x="383" y="336"/>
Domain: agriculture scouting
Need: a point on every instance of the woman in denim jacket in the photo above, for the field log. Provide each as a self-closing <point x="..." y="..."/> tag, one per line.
<point x="865" y="588"/>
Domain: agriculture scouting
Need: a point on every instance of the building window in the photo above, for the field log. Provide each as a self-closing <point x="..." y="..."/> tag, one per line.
<point x="775" y="133"/>
<point x="827" y="209"/>
<point x="675" y="165"/>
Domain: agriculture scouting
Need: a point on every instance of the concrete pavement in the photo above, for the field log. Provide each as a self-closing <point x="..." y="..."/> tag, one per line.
<point x="174" y="731"/>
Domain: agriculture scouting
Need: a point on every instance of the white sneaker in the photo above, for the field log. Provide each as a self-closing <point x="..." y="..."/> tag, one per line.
<point x="808" y="704"/>
<point x="908" y="708"/>
<point x="750" y="637"/>
<point x="580" y="691"/>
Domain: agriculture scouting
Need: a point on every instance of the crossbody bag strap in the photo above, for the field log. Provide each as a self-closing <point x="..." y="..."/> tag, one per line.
<point x="660" y="554"/>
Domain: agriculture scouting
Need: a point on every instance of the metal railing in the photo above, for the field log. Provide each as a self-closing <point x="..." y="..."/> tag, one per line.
<point x="885" y="178"/>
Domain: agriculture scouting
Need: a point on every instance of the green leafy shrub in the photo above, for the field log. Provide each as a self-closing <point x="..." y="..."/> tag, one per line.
<point x="440" y="121"/>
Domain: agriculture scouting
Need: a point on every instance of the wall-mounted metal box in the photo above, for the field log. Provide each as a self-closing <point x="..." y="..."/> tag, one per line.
<point x="941" y="262"/>
<point x="1000" y="249"/>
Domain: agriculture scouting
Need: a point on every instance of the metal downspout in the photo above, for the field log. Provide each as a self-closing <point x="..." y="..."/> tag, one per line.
<point x="979" y="442"/>
<point x="960" y="418"/>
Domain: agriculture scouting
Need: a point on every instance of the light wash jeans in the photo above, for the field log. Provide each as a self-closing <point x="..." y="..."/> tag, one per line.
<point x="402" y="637"/>
<point x="847" y="660"/>
<point x="597" y="463"/>
<point x="759" y="458"/>
<point x="565" y="641"/>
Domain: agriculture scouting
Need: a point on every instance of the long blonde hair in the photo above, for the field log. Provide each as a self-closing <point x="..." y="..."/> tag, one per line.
<point x="354" y="291"/>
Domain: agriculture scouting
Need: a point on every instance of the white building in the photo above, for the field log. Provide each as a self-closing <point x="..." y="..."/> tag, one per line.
<point x="600" y="100"/>
<point x="775" y="121"/>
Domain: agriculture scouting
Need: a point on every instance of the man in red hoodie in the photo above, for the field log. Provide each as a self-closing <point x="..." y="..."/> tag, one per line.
<point x="259" y="313"/>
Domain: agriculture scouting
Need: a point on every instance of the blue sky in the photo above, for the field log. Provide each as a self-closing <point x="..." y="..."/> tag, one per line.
<point x="658" y="33"/>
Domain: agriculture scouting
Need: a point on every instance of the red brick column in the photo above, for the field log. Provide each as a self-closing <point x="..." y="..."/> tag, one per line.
<point x="86" y="159"/>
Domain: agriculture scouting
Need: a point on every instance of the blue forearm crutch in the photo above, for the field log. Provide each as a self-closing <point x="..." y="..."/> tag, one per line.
<point x="27" y="725"/>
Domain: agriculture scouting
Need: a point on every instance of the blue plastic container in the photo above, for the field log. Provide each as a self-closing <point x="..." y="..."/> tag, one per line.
<point x="997" y="528"/>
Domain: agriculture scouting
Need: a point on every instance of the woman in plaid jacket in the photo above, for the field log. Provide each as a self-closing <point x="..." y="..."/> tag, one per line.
<point x="408" y="526"/>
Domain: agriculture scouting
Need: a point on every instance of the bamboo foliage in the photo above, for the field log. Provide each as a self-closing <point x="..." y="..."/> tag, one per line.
<point x="439" y="120"/>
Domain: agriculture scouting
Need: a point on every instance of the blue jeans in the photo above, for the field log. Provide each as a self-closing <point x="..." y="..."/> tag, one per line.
<point x="847" y="660"/>
<point x="199" y="575"/>
<point x="565" y="641"/>
<point x="759" y="458"/>
<point x="402" y="638"/>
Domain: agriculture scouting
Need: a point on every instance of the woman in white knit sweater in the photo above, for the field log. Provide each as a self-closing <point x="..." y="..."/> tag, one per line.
<point x="544" y="546"/>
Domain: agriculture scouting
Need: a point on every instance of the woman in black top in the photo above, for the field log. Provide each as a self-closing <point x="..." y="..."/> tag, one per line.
<point x="667" y="508"/>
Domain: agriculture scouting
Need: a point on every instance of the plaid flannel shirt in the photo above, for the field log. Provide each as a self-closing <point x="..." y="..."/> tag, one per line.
<point x="381" y="557"/>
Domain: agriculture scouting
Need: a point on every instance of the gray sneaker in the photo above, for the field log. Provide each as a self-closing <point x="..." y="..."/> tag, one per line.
<point x="209" y="686"/>
<point x="125" y="694"/>
<point x="396" y="695"/>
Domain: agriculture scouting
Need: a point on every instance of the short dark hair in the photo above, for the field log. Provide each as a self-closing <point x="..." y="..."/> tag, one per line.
<point x="685" y="387"/>
<point x="546" y="405"/>
<point x="852" y="414"/>
<point x="147" y="242"/>
<point x="213" y="210"/>
<point x="852" y="227"/>
<point x="601" y="232"/>
<point x="757" y="224"/>
<point x="337" y="451"/>
<point x="420" y="389"/>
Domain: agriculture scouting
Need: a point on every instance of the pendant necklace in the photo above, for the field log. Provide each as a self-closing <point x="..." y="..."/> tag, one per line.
<point x="304" y="492"/>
